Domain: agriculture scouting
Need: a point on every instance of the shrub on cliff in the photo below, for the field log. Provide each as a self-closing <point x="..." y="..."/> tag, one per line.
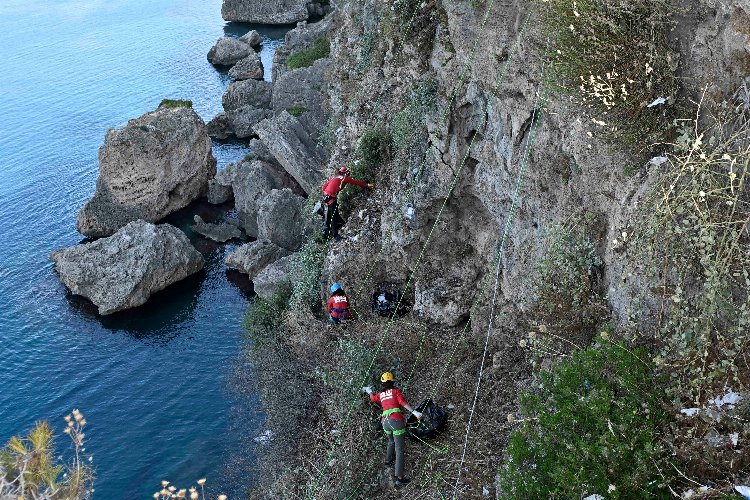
<point x="175" y="103"/>
<point x="28" y="468"/>
<point x="591" y="427"/>
<point x="613" y="57"/>
<point x="304" y="58"/>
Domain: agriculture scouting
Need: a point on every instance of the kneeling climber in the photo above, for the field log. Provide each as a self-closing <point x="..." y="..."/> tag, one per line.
<point x="394" y="424"/>
<point x="331" y="190"/>
<point x="338" y="305"/>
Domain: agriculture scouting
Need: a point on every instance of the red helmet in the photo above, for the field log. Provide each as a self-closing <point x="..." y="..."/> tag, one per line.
<point x="343" y="170"/>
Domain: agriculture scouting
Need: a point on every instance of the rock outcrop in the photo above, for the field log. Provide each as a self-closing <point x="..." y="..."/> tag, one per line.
<point x="252" y="38"/>
<point x="252" y="258"/>
<point x="219" y="127"/>
<point x="246" y="103"/>
<point x="124" y="270"/>
<point x="282" y="219"/>
<point x="217" y="232"/>
<point x="305" y="90"/>
<point x="153" y="166"/>
<point x="273" y="276"/>
<point x="251" y="182"/>
<point x="294" y="149"/>
<point x="248" y="68"/>
<point x="228" y="51"/>
<point x="265" y="11"/>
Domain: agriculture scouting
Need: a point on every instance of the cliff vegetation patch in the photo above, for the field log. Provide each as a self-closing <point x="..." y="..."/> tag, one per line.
<point x="304" y="58"/>
<point x="175" y="103"/>
<point x="613" y="57"/>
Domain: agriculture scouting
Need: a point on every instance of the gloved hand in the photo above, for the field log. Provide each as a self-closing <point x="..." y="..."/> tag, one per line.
<point x="367" y="390"/>
<point x="417" y="414"/>
<point x="371" y="186"/>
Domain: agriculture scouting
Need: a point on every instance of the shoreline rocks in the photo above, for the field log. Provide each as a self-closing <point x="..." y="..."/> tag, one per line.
<point x="265" y="11"/>
<point x="228" y="51"/>
<point x="252" y="258"/>
<point x="247" y="103"/>
<point x="122" y="271"/>
<point x="248" y="68"/>
<point x="218" y="232"/>
<point x="148" y="169"/>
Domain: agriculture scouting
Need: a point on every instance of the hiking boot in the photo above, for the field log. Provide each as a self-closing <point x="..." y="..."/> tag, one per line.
<point x="401" y="482"/>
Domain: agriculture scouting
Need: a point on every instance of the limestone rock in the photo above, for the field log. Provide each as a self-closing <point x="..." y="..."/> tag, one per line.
<point x="282" y="219"/>
<point x="294" y="149"/>
<point x="300" y="38"/>
<point x="252" y="258"/>
<point x="251" y="182"/>
<point x="153" y="166"/>
<point x="219" y="127"/>
<point x="304" y="89"/>
<point x="220" y="187"/>
<point x="248" y="68"/>
<point x="272" y="277"/>
<point x="123" y="270"/>
<point x="265" y="11"/>
<point x="252" y="38"/>
<point x="246" y="103"/>
<point x="260" y="151"/>
<point x="217" y="232"/>
<point x="227" y="51"/>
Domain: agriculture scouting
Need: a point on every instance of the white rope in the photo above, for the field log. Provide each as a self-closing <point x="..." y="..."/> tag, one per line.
<point x="506" y="230"/>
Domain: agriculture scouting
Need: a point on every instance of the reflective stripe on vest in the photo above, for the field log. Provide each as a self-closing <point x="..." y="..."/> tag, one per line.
<point x="398" y="432"/>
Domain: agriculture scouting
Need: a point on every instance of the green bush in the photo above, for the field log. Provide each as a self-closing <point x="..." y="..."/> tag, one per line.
<point x="613" y="57"/>
<point x="264" y="316"/>
<point x="566" y="281"/>
<point x="307" y="267"/>
<point x="297" y="110"/>
<point x="592" y="427"/>
<point x="304" y="58"/>
<point x="175" y="103"/>
<point x="372" y="151"/>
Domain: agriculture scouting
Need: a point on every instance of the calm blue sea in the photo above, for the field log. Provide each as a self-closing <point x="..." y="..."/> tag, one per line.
<point x="162" y="387"/>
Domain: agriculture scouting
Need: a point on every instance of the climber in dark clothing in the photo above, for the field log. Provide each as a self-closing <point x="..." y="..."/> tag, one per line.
<point x="338" y="305"/>
<point x="331" y="190"/>
<point x="393" y="421"/>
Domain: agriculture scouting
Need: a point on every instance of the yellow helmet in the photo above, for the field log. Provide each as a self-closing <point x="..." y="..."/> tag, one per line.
<point x="387" y="377"/>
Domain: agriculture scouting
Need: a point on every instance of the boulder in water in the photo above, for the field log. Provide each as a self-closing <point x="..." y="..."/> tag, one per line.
<point x="153" y="166"/>
<point x="265" y="11"/>
<point x="217" y="232"/>
<point x="252" y="38"/>
<point x="227" y="51"/>
<point x="123" y="270"/>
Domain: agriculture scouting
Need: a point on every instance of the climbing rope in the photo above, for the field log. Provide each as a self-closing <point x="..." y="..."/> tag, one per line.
<point x="498" y="257"/>
<point x="413" y="270"/>
<point x="506" y="230"/>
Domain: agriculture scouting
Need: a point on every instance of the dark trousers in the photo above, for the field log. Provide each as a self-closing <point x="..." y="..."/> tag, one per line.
<point x="394" y="430"/>
<point x="332" y="221"/>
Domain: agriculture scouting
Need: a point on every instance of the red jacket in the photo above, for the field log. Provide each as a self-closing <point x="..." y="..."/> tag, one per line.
<point x="338" y="306"/>
<point x="333" y="187"/>
<point x="390" y="399"/>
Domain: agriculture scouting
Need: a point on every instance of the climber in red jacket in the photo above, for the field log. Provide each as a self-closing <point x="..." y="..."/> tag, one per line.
<point x="331" y="190"/>
<point x="338" y="305"/>
<point x="392" y="419"/>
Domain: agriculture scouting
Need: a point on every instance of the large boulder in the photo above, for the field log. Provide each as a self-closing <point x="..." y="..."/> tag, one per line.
<point x="282" y="219"/>
<point x="292" y="146"/>
<point x="252" y="258"/>
<point x="219" y="127"/>
<point x="153" y="166"/>
<point x="251" y="182"/>
<point x="248" y="68"/>
<point x="252" y="38"/>
<point x="123" y="270"/>
<point x="266" y="282"/>
<point x="220" y="187"/>
<point x="303" y="91"/>
<point x="246" y="103"/>
<point x="228" y="51"/>
<point x="265" y="11"/>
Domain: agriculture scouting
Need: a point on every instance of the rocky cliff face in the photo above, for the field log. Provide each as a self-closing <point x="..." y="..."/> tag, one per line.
<point x="486" y="153"/>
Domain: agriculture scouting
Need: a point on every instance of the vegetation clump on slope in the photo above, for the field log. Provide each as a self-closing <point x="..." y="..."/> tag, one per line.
<point x="304" y="58"/>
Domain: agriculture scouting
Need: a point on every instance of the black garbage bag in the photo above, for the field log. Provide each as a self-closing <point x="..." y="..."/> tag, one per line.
<point x="386" y="298"/>
<point x="433" y="421"/>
